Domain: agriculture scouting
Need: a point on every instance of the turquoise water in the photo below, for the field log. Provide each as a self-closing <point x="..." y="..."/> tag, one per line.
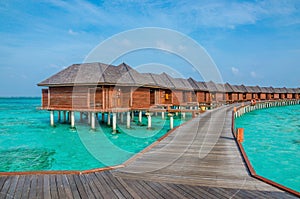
<point x="29" y="143"/>
<point x="272" y="143"/>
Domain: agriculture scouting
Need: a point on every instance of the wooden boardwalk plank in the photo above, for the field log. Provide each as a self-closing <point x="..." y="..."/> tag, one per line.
<point x="5" y="187"/>
<point x="12" y="187"/>
<point x="102" y="183"/>
<point x="176" y="193"/>
<point x="67" y="187"/>
<point x="94" y="188"/>
<point x="183" y="191"/>
<point x="26" y="187"/>
<point x="33" y="185"/>
<point x="39" y="187"/>
<point x="161" y="190"/>
<point x="19" y="187"/>
<point x="117" y="185"/>
<point x="73" y="186"/>
<point x="128" y="188"/>
<point x="60" y="188"/>
<point x="46" y="187"/>
<point x="86" y="186"/>
<point x="143" y="193"/>
<point x="80" y="187"/>
<point x="53" y="187"/>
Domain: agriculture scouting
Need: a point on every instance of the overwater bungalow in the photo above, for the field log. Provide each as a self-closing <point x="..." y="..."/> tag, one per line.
<point x="264" y="95"/>
<point x="231" y="95"/>
<point x="239" y="91"/>
<point x="246" y="95"/>
<point x="101" y="88"/>
<point x="253" y="92"/>
<point x="201" y="92"/>
<point x="279" y="93"/>
<point x="217" y="92"/>
<point x="296" y="94"/>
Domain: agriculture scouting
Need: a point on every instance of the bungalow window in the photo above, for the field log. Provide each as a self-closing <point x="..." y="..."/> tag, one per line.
<point x="166" y="96"/>
<point x="213" y="96"/>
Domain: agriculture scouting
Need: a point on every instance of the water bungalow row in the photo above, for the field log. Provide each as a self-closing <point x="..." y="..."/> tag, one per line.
<point x="102" y="88"/>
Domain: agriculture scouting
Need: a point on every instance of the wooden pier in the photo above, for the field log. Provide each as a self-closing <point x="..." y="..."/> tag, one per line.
<point x="197" y="160"/>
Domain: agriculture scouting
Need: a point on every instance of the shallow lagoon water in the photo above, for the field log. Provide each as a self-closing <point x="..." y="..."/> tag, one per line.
<point x="29" y="143"/>
<point x="272" y="143"/>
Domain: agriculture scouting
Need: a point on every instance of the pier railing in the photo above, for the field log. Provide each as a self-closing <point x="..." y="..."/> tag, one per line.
<point x="239" y="135"/>
<point x="238" y="112"/>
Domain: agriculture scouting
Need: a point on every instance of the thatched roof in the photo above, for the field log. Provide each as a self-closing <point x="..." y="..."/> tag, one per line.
<point x="123" y="74"/>
<point x="228" y="88"/>
<point x="83" y="74"/>
<point x="253" y="89"/>
<point x="280" y="90"/>
<point x="236" y="89"/>
<point x="193" y="83"/>
<point x="264" y="90"/>
<point x="202" y="86"/>
<point x="242" y="88"/>
<point x="211" y="86"/>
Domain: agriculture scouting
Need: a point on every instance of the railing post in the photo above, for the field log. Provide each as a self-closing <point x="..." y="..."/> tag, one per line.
<point x="240" y="135"/>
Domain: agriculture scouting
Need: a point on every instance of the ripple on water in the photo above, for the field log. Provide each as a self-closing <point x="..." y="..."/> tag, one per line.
<point x="17" y="159"/>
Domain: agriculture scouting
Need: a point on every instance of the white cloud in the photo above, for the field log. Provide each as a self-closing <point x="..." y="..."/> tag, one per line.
<point x="71" y="32"/>
<point x="188" y="15"/>
<point x="253" y="74"/>
<point x="164" y="46"/>
<point x="235" y="71"/>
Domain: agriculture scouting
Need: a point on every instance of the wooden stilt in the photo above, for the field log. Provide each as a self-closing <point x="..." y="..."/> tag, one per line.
<point x="149" y="121"/>
<point x="128" y="120"/>
<point x="122" y="118"/>
<point x="108" y="118"/>
<point x="132" y="115"/>
<point x="163" y="115"/>
<point x="65" y="117"/>
<point x="58" y="116"/>
<point x="171" y="122"/>
<point x="93" y="120"/>
<point x="52" y="118"/>
<point x="183" y="115"/>
<point x="69" y="117"/>
<point x="72" y="119"/>
<point x="80" y="116"/>
<point x="89" y="117"/>
<point x="140" y="116"/>
<point x="114" y="122"/>
<point x="102" y="117"/>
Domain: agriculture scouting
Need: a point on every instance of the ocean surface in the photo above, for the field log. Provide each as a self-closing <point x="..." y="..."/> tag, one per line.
<point x="272" y="143"/>
<point x="29" y="143"/>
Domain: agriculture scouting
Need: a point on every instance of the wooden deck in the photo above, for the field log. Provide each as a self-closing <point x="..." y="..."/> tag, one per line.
<point x="198" y="160"/>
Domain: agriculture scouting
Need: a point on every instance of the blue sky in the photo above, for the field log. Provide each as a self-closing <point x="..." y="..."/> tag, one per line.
<point x="251" y="42"/>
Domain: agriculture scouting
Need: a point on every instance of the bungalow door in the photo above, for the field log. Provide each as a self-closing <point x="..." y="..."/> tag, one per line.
<point x="152" y="96"/>
<point x="91" y="99"/>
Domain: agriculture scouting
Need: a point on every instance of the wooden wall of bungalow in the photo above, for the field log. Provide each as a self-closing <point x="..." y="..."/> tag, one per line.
<point x="218" y="97"/>
<point x="96" y="97"/>
<point x="264" y="93"/>
<point x="203" y="97"/>
<point x="282" y="95"/>
<point x="103" y="97"/>
<point x="231" y="94"/>
<point x="178" y="97"/>
<point x="231" y="97"/>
